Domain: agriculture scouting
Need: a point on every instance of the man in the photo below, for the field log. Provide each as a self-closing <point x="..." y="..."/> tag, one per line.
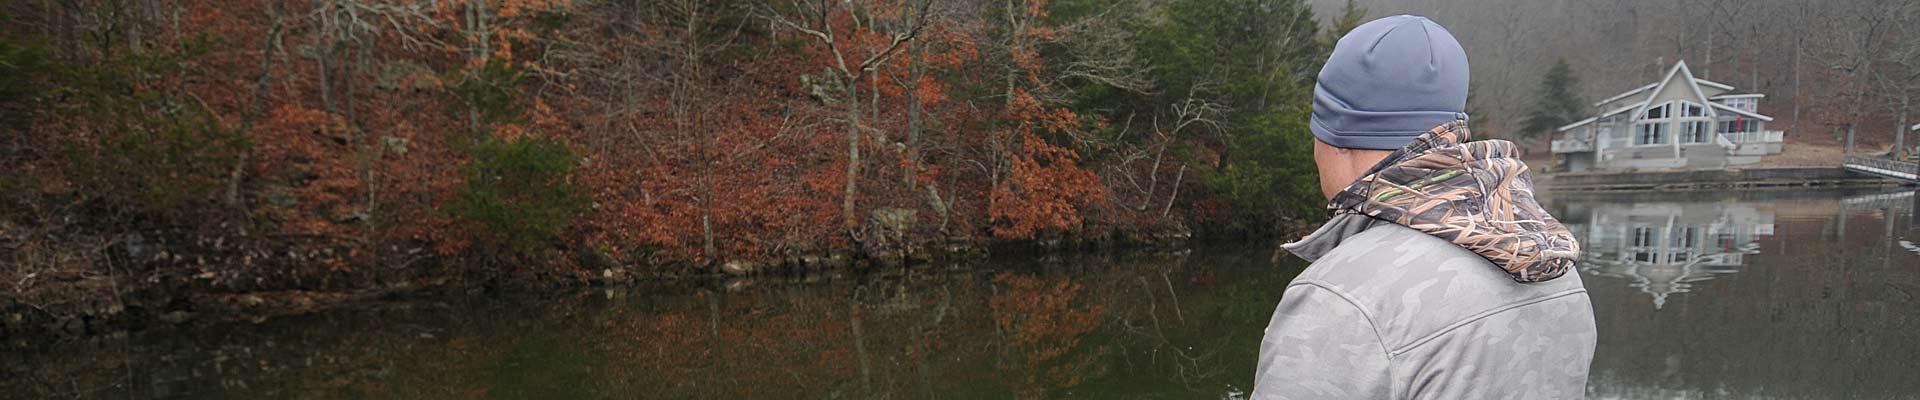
<point x="1439" y="276"/>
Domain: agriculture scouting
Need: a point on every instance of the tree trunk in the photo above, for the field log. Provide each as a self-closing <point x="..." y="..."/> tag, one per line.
<point x="706" y="187"/>
<point x="1900" y="129"/>
<point x="853" y="150"/>
<point x="476" y="48"/>
<point x="134" y="23"/>
<point x="1706" y="68"/>
<point x="1849" y="152"/>
<point x="914" y="67"/>
<point x="693" y="84"/>
<point x="326" y="87"/>
<point x="1798" y="42"/>
<point x="258" y="106"/>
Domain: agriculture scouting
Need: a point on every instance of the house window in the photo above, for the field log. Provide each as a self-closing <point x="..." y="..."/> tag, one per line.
<point x="1739" y="125"/>
<point x="1743" y="104"/>
<point x="1747" y="104"/>
<point x="1657" y="112"/>
<point x="1683" y="240"/>
<point x="1650" y="134"/>
<point x="1642" y="244"/>
<point x="1683" y="236"/>
<point x="1693" y="132"/>
<point x="1693" y="110"/>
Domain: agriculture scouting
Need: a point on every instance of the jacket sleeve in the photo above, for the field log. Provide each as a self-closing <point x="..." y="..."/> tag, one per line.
<point x="1321" y="346"/>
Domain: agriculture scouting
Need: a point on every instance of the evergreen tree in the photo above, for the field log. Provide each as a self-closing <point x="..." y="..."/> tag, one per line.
<point x="1351" y="16"/>
<point x="1255" y="60"/>
<point x="1557" y="104"/>
<point x="520" y="194"/>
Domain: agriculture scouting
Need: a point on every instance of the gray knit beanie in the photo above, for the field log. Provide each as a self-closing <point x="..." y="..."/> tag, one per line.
<point x="1389" y="81"/>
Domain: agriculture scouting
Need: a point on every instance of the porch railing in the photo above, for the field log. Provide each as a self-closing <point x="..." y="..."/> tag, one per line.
<point x="1572" y="145"/>
<point x="1755" y="137"/>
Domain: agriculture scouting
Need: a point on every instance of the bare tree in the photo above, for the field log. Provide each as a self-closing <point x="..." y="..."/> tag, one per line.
<point x="1862" y="29"/>
<point x="1899" y="77"/>
<point x="813" y="18"/>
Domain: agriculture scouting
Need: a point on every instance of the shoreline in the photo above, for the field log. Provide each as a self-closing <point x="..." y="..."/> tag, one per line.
<point x="156" y="300"/>
<point x="1739" y="178"/>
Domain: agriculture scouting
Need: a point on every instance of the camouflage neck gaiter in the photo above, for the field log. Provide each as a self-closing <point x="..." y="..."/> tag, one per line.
<point x="1476" y="195"/>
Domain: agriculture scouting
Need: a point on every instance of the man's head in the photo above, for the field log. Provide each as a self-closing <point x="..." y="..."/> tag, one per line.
<point x="1388" y="81"/>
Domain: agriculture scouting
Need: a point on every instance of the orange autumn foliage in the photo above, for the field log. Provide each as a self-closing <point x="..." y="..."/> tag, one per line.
<point x="702" y="137"/>
<point x="1045" y="187"/>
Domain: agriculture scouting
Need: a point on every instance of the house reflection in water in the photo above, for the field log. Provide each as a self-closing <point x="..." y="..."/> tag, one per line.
<point x="1666" y="247"/>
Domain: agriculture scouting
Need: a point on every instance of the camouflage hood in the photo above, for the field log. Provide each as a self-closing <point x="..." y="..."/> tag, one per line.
<point x="1476" y="195"/>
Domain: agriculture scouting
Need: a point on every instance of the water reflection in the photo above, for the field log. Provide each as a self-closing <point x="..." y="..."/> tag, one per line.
<point x="1703" y="295"/>
<point x="1144" y="326"/>
<point x="1666" y="247"/>
<point x="1767" y="294"/>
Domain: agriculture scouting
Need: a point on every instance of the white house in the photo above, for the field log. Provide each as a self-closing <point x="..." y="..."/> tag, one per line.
<point x="1678" y="122"/>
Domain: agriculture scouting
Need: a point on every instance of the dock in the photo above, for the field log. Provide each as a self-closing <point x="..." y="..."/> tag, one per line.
<point x="1891" y="169"/>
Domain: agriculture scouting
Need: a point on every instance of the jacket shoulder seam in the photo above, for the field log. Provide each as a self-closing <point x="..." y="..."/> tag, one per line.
<point x="1377" y="337"/>
<point x="1477" y="317"/>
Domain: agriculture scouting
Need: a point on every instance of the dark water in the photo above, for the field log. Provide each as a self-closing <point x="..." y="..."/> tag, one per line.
<point x="1768" y="295"/>
<point x="1750" y="295"/>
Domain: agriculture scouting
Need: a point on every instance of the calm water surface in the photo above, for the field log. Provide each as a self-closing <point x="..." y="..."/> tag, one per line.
<point x="1706" y="295"/>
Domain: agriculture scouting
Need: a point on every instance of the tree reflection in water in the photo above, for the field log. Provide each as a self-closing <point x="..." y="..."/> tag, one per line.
<point x="1167" y="326"/>
<point x="1810" y="296"/>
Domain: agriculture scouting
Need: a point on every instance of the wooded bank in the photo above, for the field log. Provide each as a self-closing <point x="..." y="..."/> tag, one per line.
<point x="162" y="153"/>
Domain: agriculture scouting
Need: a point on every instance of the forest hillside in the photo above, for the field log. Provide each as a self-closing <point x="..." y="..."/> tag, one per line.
<point x="321" y="146"/>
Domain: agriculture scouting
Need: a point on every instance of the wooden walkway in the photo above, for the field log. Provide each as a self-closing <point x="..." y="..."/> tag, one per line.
<point x="1892" y="169"/>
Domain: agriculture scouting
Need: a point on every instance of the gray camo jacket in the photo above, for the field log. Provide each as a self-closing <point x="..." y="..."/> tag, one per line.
<point x="1455" y="292"/>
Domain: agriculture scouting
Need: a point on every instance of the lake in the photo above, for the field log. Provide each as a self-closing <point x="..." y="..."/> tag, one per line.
<point x="1698" y="295"/>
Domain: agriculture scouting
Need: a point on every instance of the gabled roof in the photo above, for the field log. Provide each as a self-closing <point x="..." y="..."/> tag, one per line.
<point x="1576" y="124"/>
<point x="1627" y="94"/>
<point x="1738" y="96"/>
<point x="1722" y="86"/>
<point x="1757" y="116"/>
<point x="1692" y="84"/>
<point x="1628" y="107"/>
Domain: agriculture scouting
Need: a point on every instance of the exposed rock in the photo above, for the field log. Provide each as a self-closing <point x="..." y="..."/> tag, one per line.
<point x="608" y="276"/>
<point x="396" y="146"/>
<point x="837" y="259"/>
<point x="739" y="267"/>
<point x="354" y="218"/>
<point x="825" y="88"/>
<point x="899" y="220"/>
